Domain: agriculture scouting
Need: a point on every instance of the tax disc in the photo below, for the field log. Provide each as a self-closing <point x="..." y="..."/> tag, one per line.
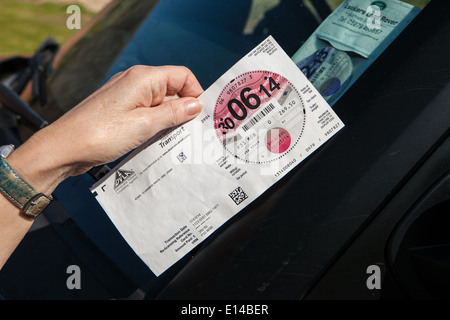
<point x="259" y="116"/>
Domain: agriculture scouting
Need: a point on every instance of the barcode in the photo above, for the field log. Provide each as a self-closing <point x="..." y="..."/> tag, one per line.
<point x="258" y="117"/>
<point x="238" y="195"/>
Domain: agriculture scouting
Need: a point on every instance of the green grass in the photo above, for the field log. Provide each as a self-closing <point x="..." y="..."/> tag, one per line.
<point x="25" y="24"/>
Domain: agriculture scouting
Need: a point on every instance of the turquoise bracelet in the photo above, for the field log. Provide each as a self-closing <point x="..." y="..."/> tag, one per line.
<point x="19" y="192"/>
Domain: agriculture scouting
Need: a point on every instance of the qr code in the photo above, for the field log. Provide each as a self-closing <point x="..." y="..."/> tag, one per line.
<point x="181" y="156"/>
<point x="238" y="195"/>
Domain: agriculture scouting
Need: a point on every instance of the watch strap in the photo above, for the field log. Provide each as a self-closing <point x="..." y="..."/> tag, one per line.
<point x="30" y="202"/>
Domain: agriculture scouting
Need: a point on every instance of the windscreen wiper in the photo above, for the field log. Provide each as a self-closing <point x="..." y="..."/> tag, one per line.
<point x="14" y="103"/>
<point x="38" y="69"/>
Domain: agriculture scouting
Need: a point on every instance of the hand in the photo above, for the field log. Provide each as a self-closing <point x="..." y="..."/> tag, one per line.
<point x="129" y="109"/>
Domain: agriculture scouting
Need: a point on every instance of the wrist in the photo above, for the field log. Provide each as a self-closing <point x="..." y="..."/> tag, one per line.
<point x="39" y="163"/>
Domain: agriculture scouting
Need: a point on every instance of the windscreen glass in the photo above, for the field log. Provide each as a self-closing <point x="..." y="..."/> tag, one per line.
<point x="333" y="42"/>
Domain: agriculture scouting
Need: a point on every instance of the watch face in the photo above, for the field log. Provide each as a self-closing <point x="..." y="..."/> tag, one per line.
<point x="6" y="150"/>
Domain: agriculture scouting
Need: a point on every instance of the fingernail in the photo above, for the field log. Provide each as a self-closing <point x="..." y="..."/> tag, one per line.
<point x="193" y="107"/>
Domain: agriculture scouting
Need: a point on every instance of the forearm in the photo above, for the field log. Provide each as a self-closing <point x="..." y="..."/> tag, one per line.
<point x="14" y="227"/>
<point x="35" y="164"/>
<point x="41" y="161"/>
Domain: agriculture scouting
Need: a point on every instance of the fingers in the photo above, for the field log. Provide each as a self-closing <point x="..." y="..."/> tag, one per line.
<point x="156" y="83"/>
<point x="173" y="113"/>
<point x="133" y="106"/>
<point x="172" y="97"/>
<point x="180" y="80"/>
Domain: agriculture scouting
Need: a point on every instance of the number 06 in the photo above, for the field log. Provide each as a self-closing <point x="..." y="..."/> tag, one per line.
<point x="234" y="113"/>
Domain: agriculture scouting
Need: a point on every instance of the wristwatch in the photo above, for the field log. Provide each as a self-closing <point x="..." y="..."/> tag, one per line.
<point x="17" y="190"/>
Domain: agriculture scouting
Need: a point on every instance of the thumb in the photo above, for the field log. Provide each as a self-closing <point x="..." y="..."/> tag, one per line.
<point x="174" y="112"/>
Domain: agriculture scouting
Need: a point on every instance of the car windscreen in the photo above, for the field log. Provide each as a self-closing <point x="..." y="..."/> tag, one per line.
<point x="209" y="37"/>
<point x="332" y="42"/>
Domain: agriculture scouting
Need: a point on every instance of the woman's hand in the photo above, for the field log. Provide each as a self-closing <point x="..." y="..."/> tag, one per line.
<point x="130" y="108"/>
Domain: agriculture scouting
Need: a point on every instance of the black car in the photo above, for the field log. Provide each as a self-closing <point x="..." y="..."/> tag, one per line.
<point x="365" y="217"/>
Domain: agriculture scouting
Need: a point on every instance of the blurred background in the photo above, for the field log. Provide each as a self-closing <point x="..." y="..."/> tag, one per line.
<point x="26" y="23"/>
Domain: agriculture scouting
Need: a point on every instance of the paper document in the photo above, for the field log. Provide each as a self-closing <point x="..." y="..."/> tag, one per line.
<point x="260" y="120"/>
<point x="366" y="27"/>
